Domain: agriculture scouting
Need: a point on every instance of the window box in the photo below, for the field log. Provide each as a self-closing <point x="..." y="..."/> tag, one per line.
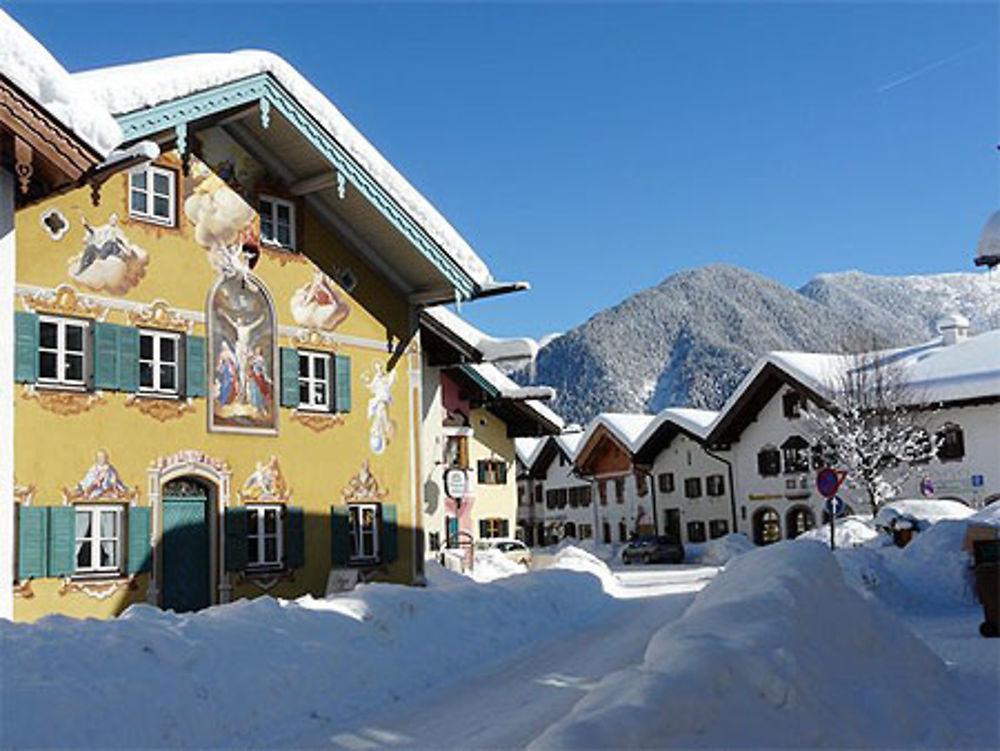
<point x="152" y="195"/>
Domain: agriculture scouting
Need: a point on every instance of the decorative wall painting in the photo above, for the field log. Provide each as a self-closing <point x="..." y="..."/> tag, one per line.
<point x="318" y="304"/>
<point x="382" y="429"/>
<point x="109" y="261"/>
<point x="100" y="483"/>
<point x="242" y="340"/>
<point x="266" y="483"/>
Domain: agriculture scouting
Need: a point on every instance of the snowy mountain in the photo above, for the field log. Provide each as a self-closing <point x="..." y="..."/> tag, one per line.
<point x="689" y="340"/>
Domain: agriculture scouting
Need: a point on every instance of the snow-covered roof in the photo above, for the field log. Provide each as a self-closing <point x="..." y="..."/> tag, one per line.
<point x="627" y="427"/>
<point x="491" y="348"/>
<point x="697" y="422"/>
<point x="127" y="88"/>
<point x="508" y="389"/>
<point x="925" y="510"/>
<point x="529" y="450"/>
<point x="525" y="448"/>
<point x="34" y="70"/>
<point x="569" y="441"/>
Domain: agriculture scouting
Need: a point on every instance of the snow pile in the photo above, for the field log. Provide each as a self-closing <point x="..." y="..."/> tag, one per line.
<point x="922" y="511"/>
<point x="266" y="672"/>
<point x="575" y="558"/>
<point x="490" y="565"/>
<point x="127" y="88"/>
<point x="849" y="532"/>
<point x="718" y="552"/>
<point x="776" y="652"/>
<point x="38" y="74"/>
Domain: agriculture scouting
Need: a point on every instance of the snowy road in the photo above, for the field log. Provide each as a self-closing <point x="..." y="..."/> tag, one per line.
<point x="509" y="703"/>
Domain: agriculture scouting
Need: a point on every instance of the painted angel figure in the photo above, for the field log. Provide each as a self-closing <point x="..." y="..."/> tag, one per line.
<point x="382" y="429"/>
<point x="101" y="480"/>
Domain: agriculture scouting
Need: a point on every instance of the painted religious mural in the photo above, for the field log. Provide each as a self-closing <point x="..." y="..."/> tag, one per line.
<point x="101" y="482"/>
<point x="318" y="304"/>
<point x="382" y="428"/>
<point x="242" y="338"/>
<point x="109" y="261"/>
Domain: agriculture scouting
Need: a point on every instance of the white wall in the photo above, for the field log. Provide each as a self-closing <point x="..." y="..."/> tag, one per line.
<point x="7" y="272"/>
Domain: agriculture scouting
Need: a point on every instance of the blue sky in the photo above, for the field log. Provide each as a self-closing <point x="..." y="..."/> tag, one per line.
<point x="594" y="149"/>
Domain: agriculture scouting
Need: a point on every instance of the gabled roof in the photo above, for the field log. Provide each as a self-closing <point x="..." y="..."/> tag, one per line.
<point x="536" y="454"/>
<point x="296" y="131"/>
<point x="935" y="372"/>
<point x="621" y="427"/>
<point x="694" y="423"/>
<point x="471" y="343"/>
<point x="33" y="69"/>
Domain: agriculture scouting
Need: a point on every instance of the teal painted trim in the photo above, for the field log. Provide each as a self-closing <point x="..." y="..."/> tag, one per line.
<point x="263" y="87"/>
<point x="488" y="387"/>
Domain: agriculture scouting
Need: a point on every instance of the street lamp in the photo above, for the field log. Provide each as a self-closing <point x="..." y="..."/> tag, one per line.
<point x="988" y="247"/>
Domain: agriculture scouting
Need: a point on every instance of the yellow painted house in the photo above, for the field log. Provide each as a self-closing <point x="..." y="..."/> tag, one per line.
<point x="217" y="354"/>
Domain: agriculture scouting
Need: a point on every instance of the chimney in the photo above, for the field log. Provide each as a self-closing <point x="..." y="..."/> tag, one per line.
<point x="954" y="328"/>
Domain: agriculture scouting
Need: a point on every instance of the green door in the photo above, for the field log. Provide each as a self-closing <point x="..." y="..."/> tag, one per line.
<point x="186" y="553"/>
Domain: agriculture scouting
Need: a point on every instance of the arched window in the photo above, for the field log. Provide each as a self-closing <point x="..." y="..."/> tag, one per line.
<point x="799" y="519"/>
<point x="951" y="443"/>
<point x="796" y="454"/>
<point x="769" y="461"/>
<point x="766" y="526"/>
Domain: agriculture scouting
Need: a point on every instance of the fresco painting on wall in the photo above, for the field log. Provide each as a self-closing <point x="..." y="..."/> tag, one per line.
<point x="266" y="483"/>
<point x="318" y="305"/>
<point x="383" y="429"/>
<point x="109" y="261"/>
<point x="242" y="342"/>
<point x="100" y="483"/>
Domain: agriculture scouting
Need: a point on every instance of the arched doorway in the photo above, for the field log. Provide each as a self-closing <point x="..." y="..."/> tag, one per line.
<point x="799" y="519"/>
<point x="766" y="526"/>
<point x="188" y="512"/>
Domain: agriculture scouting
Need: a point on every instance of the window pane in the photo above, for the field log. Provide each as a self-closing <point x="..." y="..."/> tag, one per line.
<point x="368" y="542"/>
<point x="271" y="550"/>
<point x="270" y="520"/>
<point x="48" y="335"/>
<point x="253" y="547"/>
<point x="139" y="205"/>
<point x="367" y="519"/>
<point x="168" y="377"/>
<point x="146" y="375"/>
<point x="303" y="366"/>
<point x="266" y="227"/>
<point x="319" y="366"/>
<point x="47" y="365"/>
<point x="74" y="367"/>
<point x="284" y="215"/>
<point x="168" y="349"/>
<point x="82" y="524"/>
<point x="161" y="183"/>
<point x="74" y="338"/>
<point x="108" y="555"/>
<point x="109" y="524"/>
<point x="83" y="554"/>
<point x="251" y="521"/>
<point x="321" y="393"/>
<point x="146" y="347"/>
<point x="138" y="180"/>
<point x="284" y="235"/>
<point x="161" y="207"/>
<point x="303" y="392"/>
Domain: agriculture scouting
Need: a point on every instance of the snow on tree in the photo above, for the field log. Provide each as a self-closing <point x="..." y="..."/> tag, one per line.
<point x="872" y="426"/>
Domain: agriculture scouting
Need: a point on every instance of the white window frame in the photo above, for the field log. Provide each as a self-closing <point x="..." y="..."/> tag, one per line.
<point x="261" y="535"/>
<point x="61" y="352"/>
<point x="157" y="336"/>
<point x="96" y="511"/>
<point x="314" y="403"/>
<point x="274" y="203"/>
<point x="355" y="511"/>
<point x="149" y="215"/>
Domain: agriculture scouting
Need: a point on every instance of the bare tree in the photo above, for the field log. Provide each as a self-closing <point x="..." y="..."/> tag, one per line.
<point x="873" y="426"/>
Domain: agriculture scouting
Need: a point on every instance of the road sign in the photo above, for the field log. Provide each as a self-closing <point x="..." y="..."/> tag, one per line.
<point x="456" y="483"/>
<point x="834" y="506"/>
<point x="828" y="481"/>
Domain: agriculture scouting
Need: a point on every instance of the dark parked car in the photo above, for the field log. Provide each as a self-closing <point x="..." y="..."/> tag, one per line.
<point x="653" y="550"/>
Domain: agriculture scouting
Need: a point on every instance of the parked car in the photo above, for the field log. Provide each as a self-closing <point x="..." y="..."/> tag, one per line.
<point x="513" y="549"/>
<point x="653" y="550"/>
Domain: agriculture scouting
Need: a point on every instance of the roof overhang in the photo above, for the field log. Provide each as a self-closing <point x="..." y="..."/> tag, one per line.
<point x="521" y="418"/>
<point x="599" y="437"/>
<point x="260" y="114"/>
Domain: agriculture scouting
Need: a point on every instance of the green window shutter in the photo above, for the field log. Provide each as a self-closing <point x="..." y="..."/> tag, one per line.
<point x="342" y="371"/>
<point x="128" y="359"/>
<point x="295" y="537"/>
<point x="289" y="377"/>
<point x="340" y="535"/>
<point x="106" y="356"/>
<point x="62" y="540"/>
<point x="505" y="527"/>
<point x="482" y="528"/>
<point x="481" y="472"/>
<point x="25" y="347"/>
<point x="139" y="554"/>
<point x="194" y="362"/>
<point x="236" y="538"/>
<point x="33" y="543"/>
<point x="503" y="473"/>
<point x="390" y="543"/>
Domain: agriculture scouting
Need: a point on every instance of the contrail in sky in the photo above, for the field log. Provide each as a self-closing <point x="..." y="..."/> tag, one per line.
<point x="925" y="69"/>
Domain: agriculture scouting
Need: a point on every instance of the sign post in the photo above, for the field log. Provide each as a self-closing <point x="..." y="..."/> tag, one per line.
<point x="828" y="482"/>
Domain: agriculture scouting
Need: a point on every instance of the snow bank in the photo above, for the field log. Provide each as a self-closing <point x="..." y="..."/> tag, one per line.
<point x="265" y="672"/>
<point x="718" y="552"/>
<point x="923" y="511"/>
<point x="776" y="652"/>
<point x="849" y="532"/>
<point x="38" y="74"/>
<point x="490" y="565"/>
